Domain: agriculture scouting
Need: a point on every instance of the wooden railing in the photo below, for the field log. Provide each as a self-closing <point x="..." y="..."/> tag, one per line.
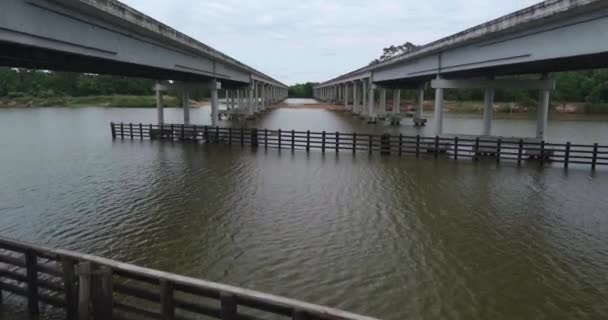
<point x="90" y="287"/>
<point x="513" y="150"/>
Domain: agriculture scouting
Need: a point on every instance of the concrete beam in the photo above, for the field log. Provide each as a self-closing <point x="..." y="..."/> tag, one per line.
<point x="500" y="84"/>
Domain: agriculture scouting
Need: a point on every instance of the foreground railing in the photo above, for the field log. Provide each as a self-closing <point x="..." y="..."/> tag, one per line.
<point x="513" y="150"/>
<point x="87" y="286"/>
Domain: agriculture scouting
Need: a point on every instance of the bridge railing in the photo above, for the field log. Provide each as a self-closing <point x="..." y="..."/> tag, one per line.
<point x="86" y="287"/>
<point x="511" y="150"/>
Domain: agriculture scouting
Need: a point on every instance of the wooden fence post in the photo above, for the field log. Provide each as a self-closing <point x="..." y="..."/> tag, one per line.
<point x="167" y="305"/>
<point x="254" y="138"/>
<point x="104" y="298"/>
<point x="71" y="290"/>
<point x="206" y="134"/>
<point x="230" y="136"/>
<point x="293" y="140"/>
<point x="183" y="132"/>
<point x="594" y="158"/>
<point x="307" y="140"/>
<point x="265" y="138"/>
<point x="131" y="130"/>
<point x="456" y="148"/>
<point x="520" y="151"/>
<point x="84" y="290"/>
<point x="150" y="132"/>
<point x="436" y="147"/>
<point x="280" y="139"/>
<point x="476" y="149"/>
<point x="337" y="142"/>
<point x="113" y="130"/>
<point x="299" y="315"/>
<point x="385" y="144"/>
<point x="31" y="264"/>
<point x="498" y="150"/>
<point x="354" y="143"/>
<point x="567" y="155"/>
<point x="417" y="146"/>
<point x="194" y="133"/>
<point x="141" y="131"/>
<point x="217" y="135"/>
<point x="400" y="144"/>
<point x="323" y="142"/>
<point x="172" y="132"/>
<point x="371" y="144"/>
<point x="122" y="131"/>
<point x="228" y="306"/>
<point x="542" y="153"/>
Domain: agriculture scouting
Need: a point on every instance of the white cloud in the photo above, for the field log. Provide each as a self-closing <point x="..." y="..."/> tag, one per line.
<point x="314" y="40"/>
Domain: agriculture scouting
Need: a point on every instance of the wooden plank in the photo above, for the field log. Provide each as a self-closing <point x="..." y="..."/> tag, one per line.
<point x="31" y="261"/>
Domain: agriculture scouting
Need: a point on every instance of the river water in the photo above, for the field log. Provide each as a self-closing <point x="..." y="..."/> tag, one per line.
<point x="395" y="238"/>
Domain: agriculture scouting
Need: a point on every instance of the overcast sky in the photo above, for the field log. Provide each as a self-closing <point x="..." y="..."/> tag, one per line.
<point x="298" y="41"/>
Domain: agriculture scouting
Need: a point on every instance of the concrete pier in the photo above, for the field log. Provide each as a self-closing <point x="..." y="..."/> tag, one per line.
<point x="186" y="105"/>
<point x="488" y="111"/>
<point x="215" y="86"/>
<point x="438" y="110"/>
<point x="543" y="111"/>
<point x="396" y="101"/>
<point x="160" y="113"/>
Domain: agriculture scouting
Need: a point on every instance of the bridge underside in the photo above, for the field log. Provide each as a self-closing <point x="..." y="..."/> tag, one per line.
<point x="109" y="38"/>
<point x="582" y="62"/>
<point x="22" y="56"/>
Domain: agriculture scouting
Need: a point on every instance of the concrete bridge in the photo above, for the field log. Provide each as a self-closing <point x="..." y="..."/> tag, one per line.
<point x="108" y="37"/>
<point x="552" y="36"/>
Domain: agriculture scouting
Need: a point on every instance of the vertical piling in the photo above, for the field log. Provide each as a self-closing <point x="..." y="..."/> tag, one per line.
<point x="385" y="144"/>
<point x="113" y="130"/>
<point x="71" y="289"/>
<point x="254" y="138"/>
<point x="567" y="155"/>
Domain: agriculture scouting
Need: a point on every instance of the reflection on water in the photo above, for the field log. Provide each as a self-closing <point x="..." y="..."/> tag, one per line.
<point x="389" y="237"/>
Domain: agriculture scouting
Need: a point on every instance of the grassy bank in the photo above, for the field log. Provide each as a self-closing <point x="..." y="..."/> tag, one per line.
<point x="115" y="101"/>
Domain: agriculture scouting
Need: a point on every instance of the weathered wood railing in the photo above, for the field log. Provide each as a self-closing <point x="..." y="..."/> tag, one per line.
<point x="513" y="150"/>
<point x="90" y="287"/>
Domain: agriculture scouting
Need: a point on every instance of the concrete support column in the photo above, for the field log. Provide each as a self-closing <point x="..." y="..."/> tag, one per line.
<point x="372" y="98"/>
<point x="160" y="113"/>
<point x="355" y="98"/>
<point x="420" y="107"/>
<point x="251" y="97"/>
<point x="488" y="111"/>
<point x="186" y="105"/>
<point x="383" y="100"/>
<point x="256" y="99"/>
<point x="396" y="101"/>
<point x="346" y="96"/>
<point x="214" y="102"/>
<point x="543" y="111"/>
<point x="364" y="92"/>
<point x="438" y="110"/>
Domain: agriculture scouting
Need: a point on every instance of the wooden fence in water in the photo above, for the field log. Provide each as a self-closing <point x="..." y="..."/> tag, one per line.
<point x="499" y="149"/>
<point x="90" y="287"/>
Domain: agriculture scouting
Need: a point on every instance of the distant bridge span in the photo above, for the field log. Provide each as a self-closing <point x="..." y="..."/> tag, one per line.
<point x="555" y="35"/>
<point x="108" y="37"/>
